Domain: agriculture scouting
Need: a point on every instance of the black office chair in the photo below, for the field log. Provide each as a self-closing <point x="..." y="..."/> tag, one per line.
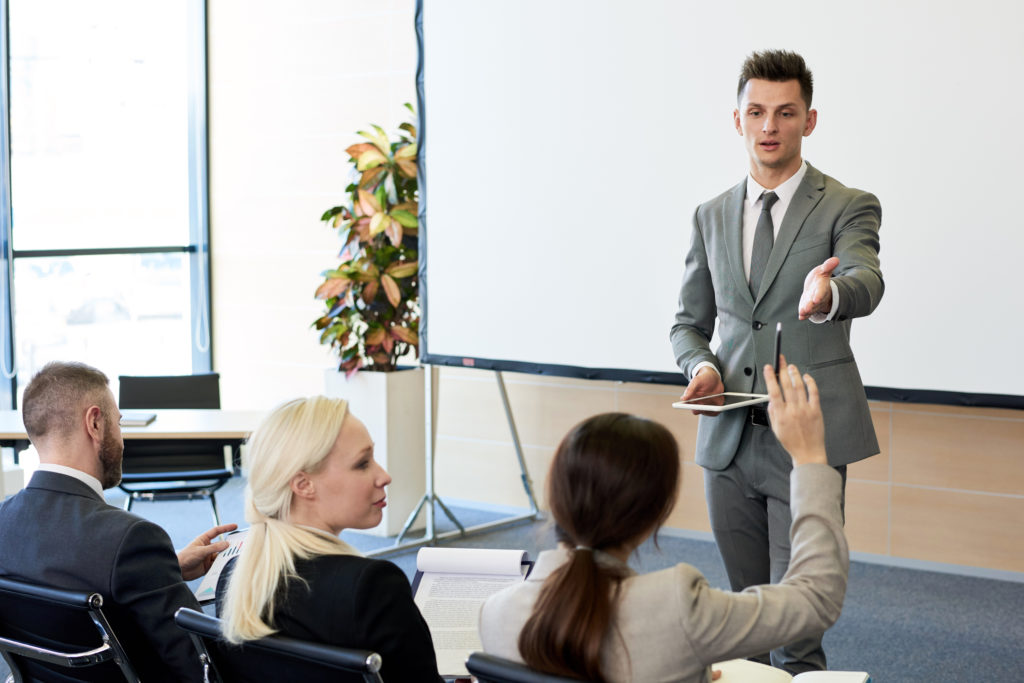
<point x="490" y="669"/>
<point x="185" y="469"/>
<point x="276" y="658"/>
<point x="54" y="636"/>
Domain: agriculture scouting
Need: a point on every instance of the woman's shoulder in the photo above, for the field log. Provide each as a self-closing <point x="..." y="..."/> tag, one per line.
<point x="353" y="568"/>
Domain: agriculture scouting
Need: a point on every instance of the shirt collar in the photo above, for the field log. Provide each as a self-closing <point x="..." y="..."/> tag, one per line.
<point x="785" y="191"/>
<point x="87" y="479"/>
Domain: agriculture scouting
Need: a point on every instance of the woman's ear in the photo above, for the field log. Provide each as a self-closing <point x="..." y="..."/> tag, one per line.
<point x="302" y="486"/>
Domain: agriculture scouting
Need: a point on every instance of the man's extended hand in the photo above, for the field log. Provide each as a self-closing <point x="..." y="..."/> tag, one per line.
<point x="195" y="558"/>
<point x="817" y="296"/>
<point x="706" y="382"/>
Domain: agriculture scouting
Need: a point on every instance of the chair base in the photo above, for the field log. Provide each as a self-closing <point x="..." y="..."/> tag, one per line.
<point x="174" y="493"/>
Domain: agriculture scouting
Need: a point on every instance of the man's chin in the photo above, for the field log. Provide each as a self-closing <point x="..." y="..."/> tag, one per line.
<point x="111" y="479"/>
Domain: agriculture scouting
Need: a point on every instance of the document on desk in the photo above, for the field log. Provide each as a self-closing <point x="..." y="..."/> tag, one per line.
<point x="130" y="419"/>
<point x="450" y="586"/>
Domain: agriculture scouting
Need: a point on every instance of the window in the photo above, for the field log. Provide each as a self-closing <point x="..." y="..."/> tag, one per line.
<point x="105" y="213"/>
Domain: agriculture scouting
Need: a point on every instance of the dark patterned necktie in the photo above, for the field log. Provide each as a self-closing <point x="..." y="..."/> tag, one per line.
<point x="764" y="238"/>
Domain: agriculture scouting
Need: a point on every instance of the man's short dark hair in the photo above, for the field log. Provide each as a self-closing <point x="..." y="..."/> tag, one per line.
<point x="56" y="393"/>
<point x="778" y="66"/>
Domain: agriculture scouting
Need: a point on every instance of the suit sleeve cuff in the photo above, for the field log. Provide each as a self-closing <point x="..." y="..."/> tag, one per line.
<point x="822" y="318"/>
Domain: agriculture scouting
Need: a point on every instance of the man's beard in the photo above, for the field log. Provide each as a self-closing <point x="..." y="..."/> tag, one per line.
<point x="111" y="452"/>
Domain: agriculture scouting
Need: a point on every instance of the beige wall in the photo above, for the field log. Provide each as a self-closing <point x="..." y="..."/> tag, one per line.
<point x="289" y="86"/>
<point x="947" y="487"/>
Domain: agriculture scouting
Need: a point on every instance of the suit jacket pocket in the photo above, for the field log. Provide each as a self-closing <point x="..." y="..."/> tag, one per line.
<point x="815" y="242"/>
<point x="828" y="363"/>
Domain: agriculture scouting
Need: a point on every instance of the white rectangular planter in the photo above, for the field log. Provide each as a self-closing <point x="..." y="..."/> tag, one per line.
<point x="391" y="405"/>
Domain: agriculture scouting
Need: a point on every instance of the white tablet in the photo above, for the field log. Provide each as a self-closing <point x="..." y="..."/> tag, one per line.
<point x="717" y="403"/>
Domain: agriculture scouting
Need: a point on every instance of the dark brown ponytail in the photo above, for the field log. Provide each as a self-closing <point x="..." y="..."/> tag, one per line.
<point x="612" y="481"/>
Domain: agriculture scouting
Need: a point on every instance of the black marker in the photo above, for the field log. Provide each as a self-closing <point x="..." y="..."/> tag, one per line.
<point x="778" y="346"/>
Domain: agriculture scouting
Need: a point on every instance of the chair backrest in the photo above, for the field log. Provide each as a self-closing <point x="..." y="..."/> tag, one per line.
<point x="276" y="658"/>
<point x="178" y="391"/>
<point x="56" y="636"/>
<point x="490" y="669"/>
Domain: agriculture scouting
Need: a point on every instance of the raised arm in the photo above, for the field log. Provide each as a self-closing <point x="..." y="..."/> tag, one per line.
<point x="809" y="598"/>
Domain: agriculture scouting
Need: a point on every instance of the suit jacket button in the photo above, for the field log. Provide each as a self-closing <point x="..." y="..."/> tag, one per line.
<point x="758" y="324"/>
<point x="748" y="371"/>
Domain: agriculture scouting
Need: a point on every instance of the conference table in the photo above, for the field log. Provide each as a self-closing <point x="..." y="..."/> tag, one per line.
<point x="231" y="427"/>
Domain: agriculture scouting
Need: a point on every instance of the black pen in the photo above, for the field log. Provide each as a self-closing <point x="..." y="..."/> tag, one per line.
<point x="778" y="346"/>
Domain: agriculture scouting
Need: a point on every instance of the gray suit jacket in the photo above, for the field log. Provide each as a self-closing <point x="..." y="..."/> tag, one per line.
<point x="58" y="532"/>
<point x="825" y="218"/>
<point x="670" y="625"/>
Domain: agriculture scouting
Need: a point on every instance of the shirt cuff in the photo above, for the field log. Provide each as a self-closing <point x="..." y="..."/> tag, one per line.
<point x="822" y="317"/>
<point x="704" y="364"/>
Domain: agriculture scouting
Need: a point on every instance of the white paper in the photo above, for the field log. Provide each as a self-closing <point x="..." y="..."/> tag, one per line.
<point x="470" y="561"/>
<point x="208" y="587"/>
<point x="454" y="585"/>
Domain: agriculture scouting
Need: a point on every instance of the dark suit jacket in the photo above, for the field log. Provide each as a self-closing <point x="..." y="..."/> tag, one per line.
<point x="357" y="602"/>
<point x="58" y="532"/>
<point x="825" y="218"/>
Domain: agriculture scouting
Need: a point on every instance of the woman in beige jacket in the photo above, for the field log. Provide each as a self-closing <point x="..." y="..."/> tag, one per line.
<point x="583" y="612"/>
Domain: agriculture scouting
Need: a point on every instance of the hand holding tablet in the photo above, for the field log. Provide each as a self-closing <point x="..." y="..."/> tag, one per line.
<point x="717" y="403"/>
<point x="730" y="400"/>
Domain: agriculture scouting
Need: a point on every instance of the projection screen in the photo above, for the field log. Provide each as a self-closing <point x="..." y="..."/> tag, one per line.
<point x="566" y="144"/>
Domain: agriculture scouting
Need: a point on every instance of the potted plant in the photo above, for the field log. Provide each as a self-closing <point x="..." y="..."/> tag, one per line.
<point x="372" y="312"/>
<point x="372" y="316"/>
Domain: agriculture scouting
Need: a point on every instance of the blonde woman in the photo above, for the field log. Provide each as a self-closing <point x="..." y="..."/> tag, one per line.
<point x="312" y="475"/>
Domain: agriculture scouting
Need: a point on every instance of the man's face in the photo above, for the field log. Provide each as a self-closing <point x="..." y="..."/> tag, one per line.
<point x="112" y="448"/>
<point x="773" y="120"/>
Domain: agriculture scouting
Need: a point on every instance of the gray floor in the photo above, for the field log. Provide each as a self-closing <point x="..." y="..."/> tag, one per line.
<point x="898" y="624"/>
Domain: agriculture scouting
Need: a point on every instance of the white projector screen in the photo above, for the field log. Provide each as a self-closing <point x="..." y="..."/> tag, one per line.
<point x="566" y="144"/>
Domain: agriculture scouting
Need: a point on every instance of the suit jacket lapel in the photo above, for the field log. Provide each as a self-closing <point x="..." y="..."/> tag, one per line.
<point x="808" y="194"/>
<point x="734" y="236"/>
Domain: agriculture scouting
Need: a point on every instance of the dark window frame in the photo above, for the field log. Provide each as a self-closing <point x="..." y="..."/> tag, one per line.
<point x="198" y="249"/>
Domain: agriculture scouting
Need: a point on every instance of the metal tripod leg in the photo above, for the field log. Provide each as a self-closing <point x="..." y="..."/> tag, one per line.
<point x="430" y="535"/>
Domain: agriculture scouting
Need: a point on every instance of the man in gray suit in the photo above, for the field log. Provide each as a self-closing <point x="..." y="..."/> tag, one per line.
<point x="60" y="532"/>
<point x="787" y="244"/>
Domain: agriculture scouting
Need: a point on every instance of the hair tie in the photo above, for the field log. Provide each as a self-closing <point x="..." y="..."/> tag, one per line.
<point x="584" y="547"/>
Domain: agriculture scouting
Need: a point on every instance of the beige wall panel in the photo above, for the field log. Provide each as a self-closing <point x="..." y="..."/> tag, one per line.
<point x="488" y="472"/>
<point x="658" y="407"/>
<point x="691" y="510"/>
<point x="1004" y="413"/>
<point x="544" y="414"/>
<point x="958" y="528"/>
<point x="469" y="407"/>
<point x="877" y="467"/>
<point x="867" y="516"/>
<point x="967" y="453"/>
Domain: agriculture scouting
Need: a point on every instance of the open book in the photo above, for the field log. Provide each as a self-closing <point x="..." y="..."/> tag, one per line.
<point x="450" y="586"/>
<point x="207" y="590"/>
<point x="745" y="671"/>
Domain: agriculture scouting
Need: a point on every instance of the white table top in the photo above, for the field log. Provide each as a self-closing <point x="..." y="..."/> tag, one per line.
<point x="169" y="424"/>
